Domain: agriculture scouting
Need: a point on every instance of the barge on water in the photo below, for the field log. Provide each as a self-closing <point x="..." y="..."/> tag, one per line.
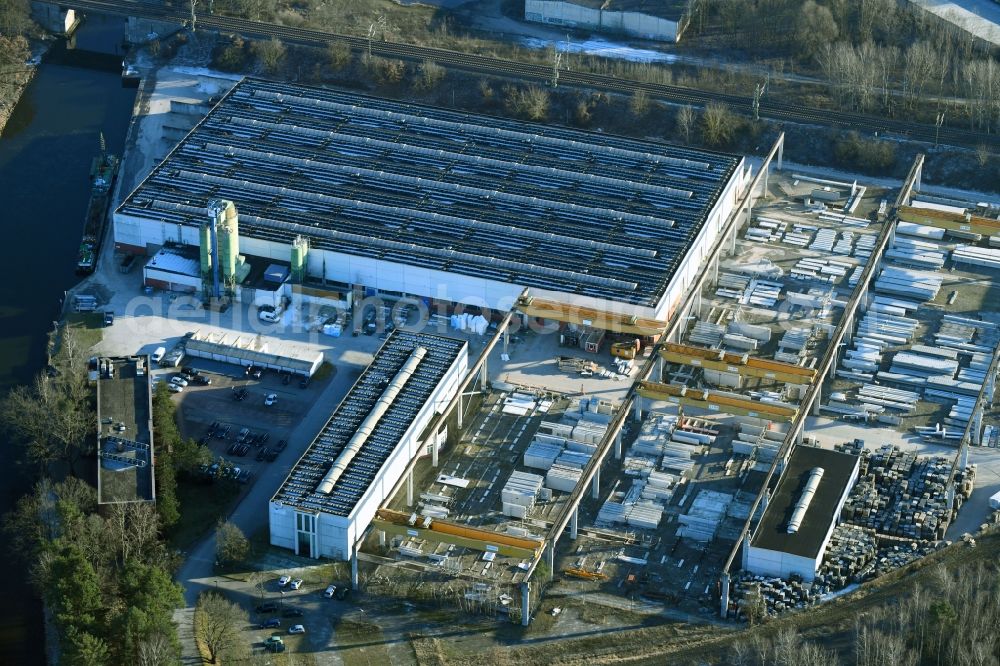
<point x="103" y="171"/>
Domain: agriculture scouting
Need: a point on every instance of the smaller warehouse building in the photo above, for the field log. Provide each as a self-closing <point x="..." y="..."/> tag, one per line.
<point x="124" y="430"/>
<point x="662" y="20"/>
<point x="792" y="536"/>
<point x="333" y="491"/>
<point x="255" y="350"/>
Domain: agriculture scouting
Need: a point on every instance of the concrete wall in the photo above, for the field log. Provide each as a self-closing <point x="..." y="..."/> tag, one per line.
<point x="336" y="535"/>
<point x="54" y="18"/>
<point x="764" y="562"/>
<point x="557" y="12"/>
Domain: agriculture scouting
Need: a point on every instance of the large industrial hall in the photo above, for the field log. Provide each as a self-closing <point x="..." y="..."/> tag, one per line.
<point x="334" y="490"/>
<point x="409" y="199"/>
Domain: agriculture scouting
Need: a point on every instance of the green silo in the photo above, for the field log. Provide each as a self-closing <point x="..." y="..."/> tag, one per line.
<point x="300" y="253"/>
<point x="206" y="250"/>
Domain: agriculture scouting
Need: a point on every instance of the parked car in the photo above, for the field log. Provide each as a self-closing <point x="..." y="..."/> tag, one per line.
<point x="286" y="377"/>
<point x="242" y="436"/>
<point x="244" y="476"/>
<point x="270" y="623"/>
<point x="188" y="370"/>
<point x="202" y="380"/>
<point x="158" y="354"/>
<point x="254" y="371"/>
<point x="296" y="584"/>
<point x="267" y="607"/>
<point x="109" y="318"/>
<point x="262" y="454"/>
<point x="271" y="456"/>
<point x="292" y="612"/>
<point x="296" y="629"/>
<point x="330" y="591"/>
<point x="274" y="644"/>
<point x="270" y="399"/>
<point x="342" y="592"/>
<point x="179" y="380"/>
<point x="174" y="388"/>
<point x="284" y="580"/>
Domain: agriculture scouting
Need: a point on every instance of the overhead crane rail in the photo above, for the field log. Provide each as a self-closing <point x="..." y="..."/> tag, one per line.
<point x="583" y="316"/>
<point x="943" y="219"/>
<point x="716" y="401"/>
<point x="745" y="365"/>
<point x="398" y="522"/>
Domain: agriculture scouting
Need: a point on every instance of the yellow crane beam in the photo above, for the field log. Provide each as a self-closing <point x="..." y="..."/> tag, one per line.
<point x="397" y="522"/>
<point x="746" y="366"/>
<point x="575" y="314"/>
<point x="943" y="219"/>
<point x="717" y="402"/>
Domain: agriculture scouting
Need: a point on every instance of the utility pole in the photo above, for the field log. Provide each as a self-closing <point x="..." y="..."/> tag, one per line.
<point x="937" y="127"/>
<point x="378" y="23"/>
<point x="758" y="92"/>
<point x="556" y="60"/>
<point x="193" y="3"/>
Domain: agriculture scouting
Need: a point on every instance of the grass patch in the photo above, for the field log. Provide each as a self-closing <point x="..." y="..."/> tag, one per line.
<point x="361" y="643"/>
<point x="201" y="507"/>
<point x="88" y="327"/>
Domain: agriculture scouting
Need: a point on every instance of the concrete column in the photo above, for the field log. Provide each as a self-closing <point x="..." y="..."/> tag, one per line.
<point x="618" y="445"/>
<point x="551" y="559"/>
<point x="724" y="598"/>
<point x="963" y="461"/>
<point x="596" y="484"/>
<point x="659" y="369"/>
<point x="434" y="447"/>
<point x="484" y="374"/>
<point x="574" y="523"/>
<point x="715" y="271"/>
<point x="409" y="489"/>
<point x="381" y="538"/>
<point x="764" y="501"/>
<point x="506" y="339"/>
<point x="817" y="401"/>
<point x="977" y="428"/>
<point x="781" y="152"/>
<point x="525" y="603"/>
<point x="637" y="401"/>
<point x="746" y="550"/>
<point x="354" y="568"/>
<point x="697" y="301"/>
<point x="461" y="405"/>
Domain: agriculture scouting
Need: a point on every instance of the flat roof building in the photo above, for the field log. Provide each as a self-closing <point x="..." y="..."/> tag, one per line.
<point x="793" y="533"/>
<point x="411" y="199"/>
<point x="663" y="20"/>
<point x="335" y="488"/>
<point x="124" y="430"/>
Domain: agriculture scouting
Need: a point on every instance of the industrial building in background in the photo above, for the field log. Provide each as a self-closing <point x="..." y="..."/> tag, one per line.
<point x="355" y="192"/>
<point x="124" y="430"/>
<point x="332" y="493"/>
<point x="791" y="537"/>
<point x="662" y="20"/>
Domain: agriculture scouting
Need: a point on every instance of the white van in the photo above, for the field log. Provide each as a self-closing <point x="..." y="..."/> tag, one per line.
<point x="269" y="314"/>
<point x="158" y="354"/>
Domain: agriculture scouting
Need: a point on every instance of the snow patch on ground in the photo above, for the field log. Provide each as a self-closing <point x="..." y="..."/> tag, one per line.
<point x="603" y="48"/>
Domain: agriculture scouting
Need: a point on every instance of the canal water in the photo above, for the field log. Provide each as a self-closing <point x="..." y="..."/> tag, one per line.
<point x="45" y="155"/>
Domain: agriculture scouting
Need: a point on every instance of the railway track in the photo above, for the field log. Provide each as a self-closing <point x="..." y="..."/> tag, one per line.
<point x="771" y="110"/>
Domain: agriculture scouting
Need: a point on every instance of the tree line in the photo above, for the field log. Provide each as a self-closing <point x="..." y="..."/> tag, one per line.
<point x="952" y="619"/>
<point x="105" y="575"/>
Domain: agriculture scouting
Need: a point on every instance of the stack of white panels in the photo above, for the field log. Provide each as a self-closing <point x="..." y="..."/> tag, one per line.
<point x="919" y="230"/>
<point x="562" y="477"/>
<point x="540" y="455"/>
<point x="825" y="238"/>
<point x="976" y="256"/>
<point x="908" y="283"/>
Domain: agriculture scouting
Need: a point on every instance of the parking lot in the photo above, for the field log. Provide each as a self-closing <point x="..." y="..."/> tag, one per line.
<point x="243" y="431"/>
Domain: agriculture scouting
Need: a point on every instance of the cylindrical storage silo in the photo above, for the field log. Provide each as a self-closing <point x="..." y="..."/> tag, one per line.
<point x="300" y="251"/>
<point x="229" y="242"/>
<point x="206" y="250"/>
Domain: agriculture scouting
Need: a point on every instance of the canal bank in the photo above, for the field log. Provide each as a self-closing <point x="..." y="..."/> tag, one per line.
<point x="45" y="155"/>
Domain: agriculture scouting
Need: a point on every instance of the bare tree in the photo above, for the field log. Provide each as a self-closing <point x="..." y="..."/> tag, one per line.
<point x="685" y="122"/>
<point x="218" y="623"/>
<point x="814" y="28"/>
<point x="338" y="54"/>
<point x="231" y="544"/>
<point x="639" y="103"/>
<point x="531" y="102"/>
<point x="270" y="53"/>
<point x="718" y="124"/>
<point x="156" y="650"/>
<point x="429" y="75"/>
